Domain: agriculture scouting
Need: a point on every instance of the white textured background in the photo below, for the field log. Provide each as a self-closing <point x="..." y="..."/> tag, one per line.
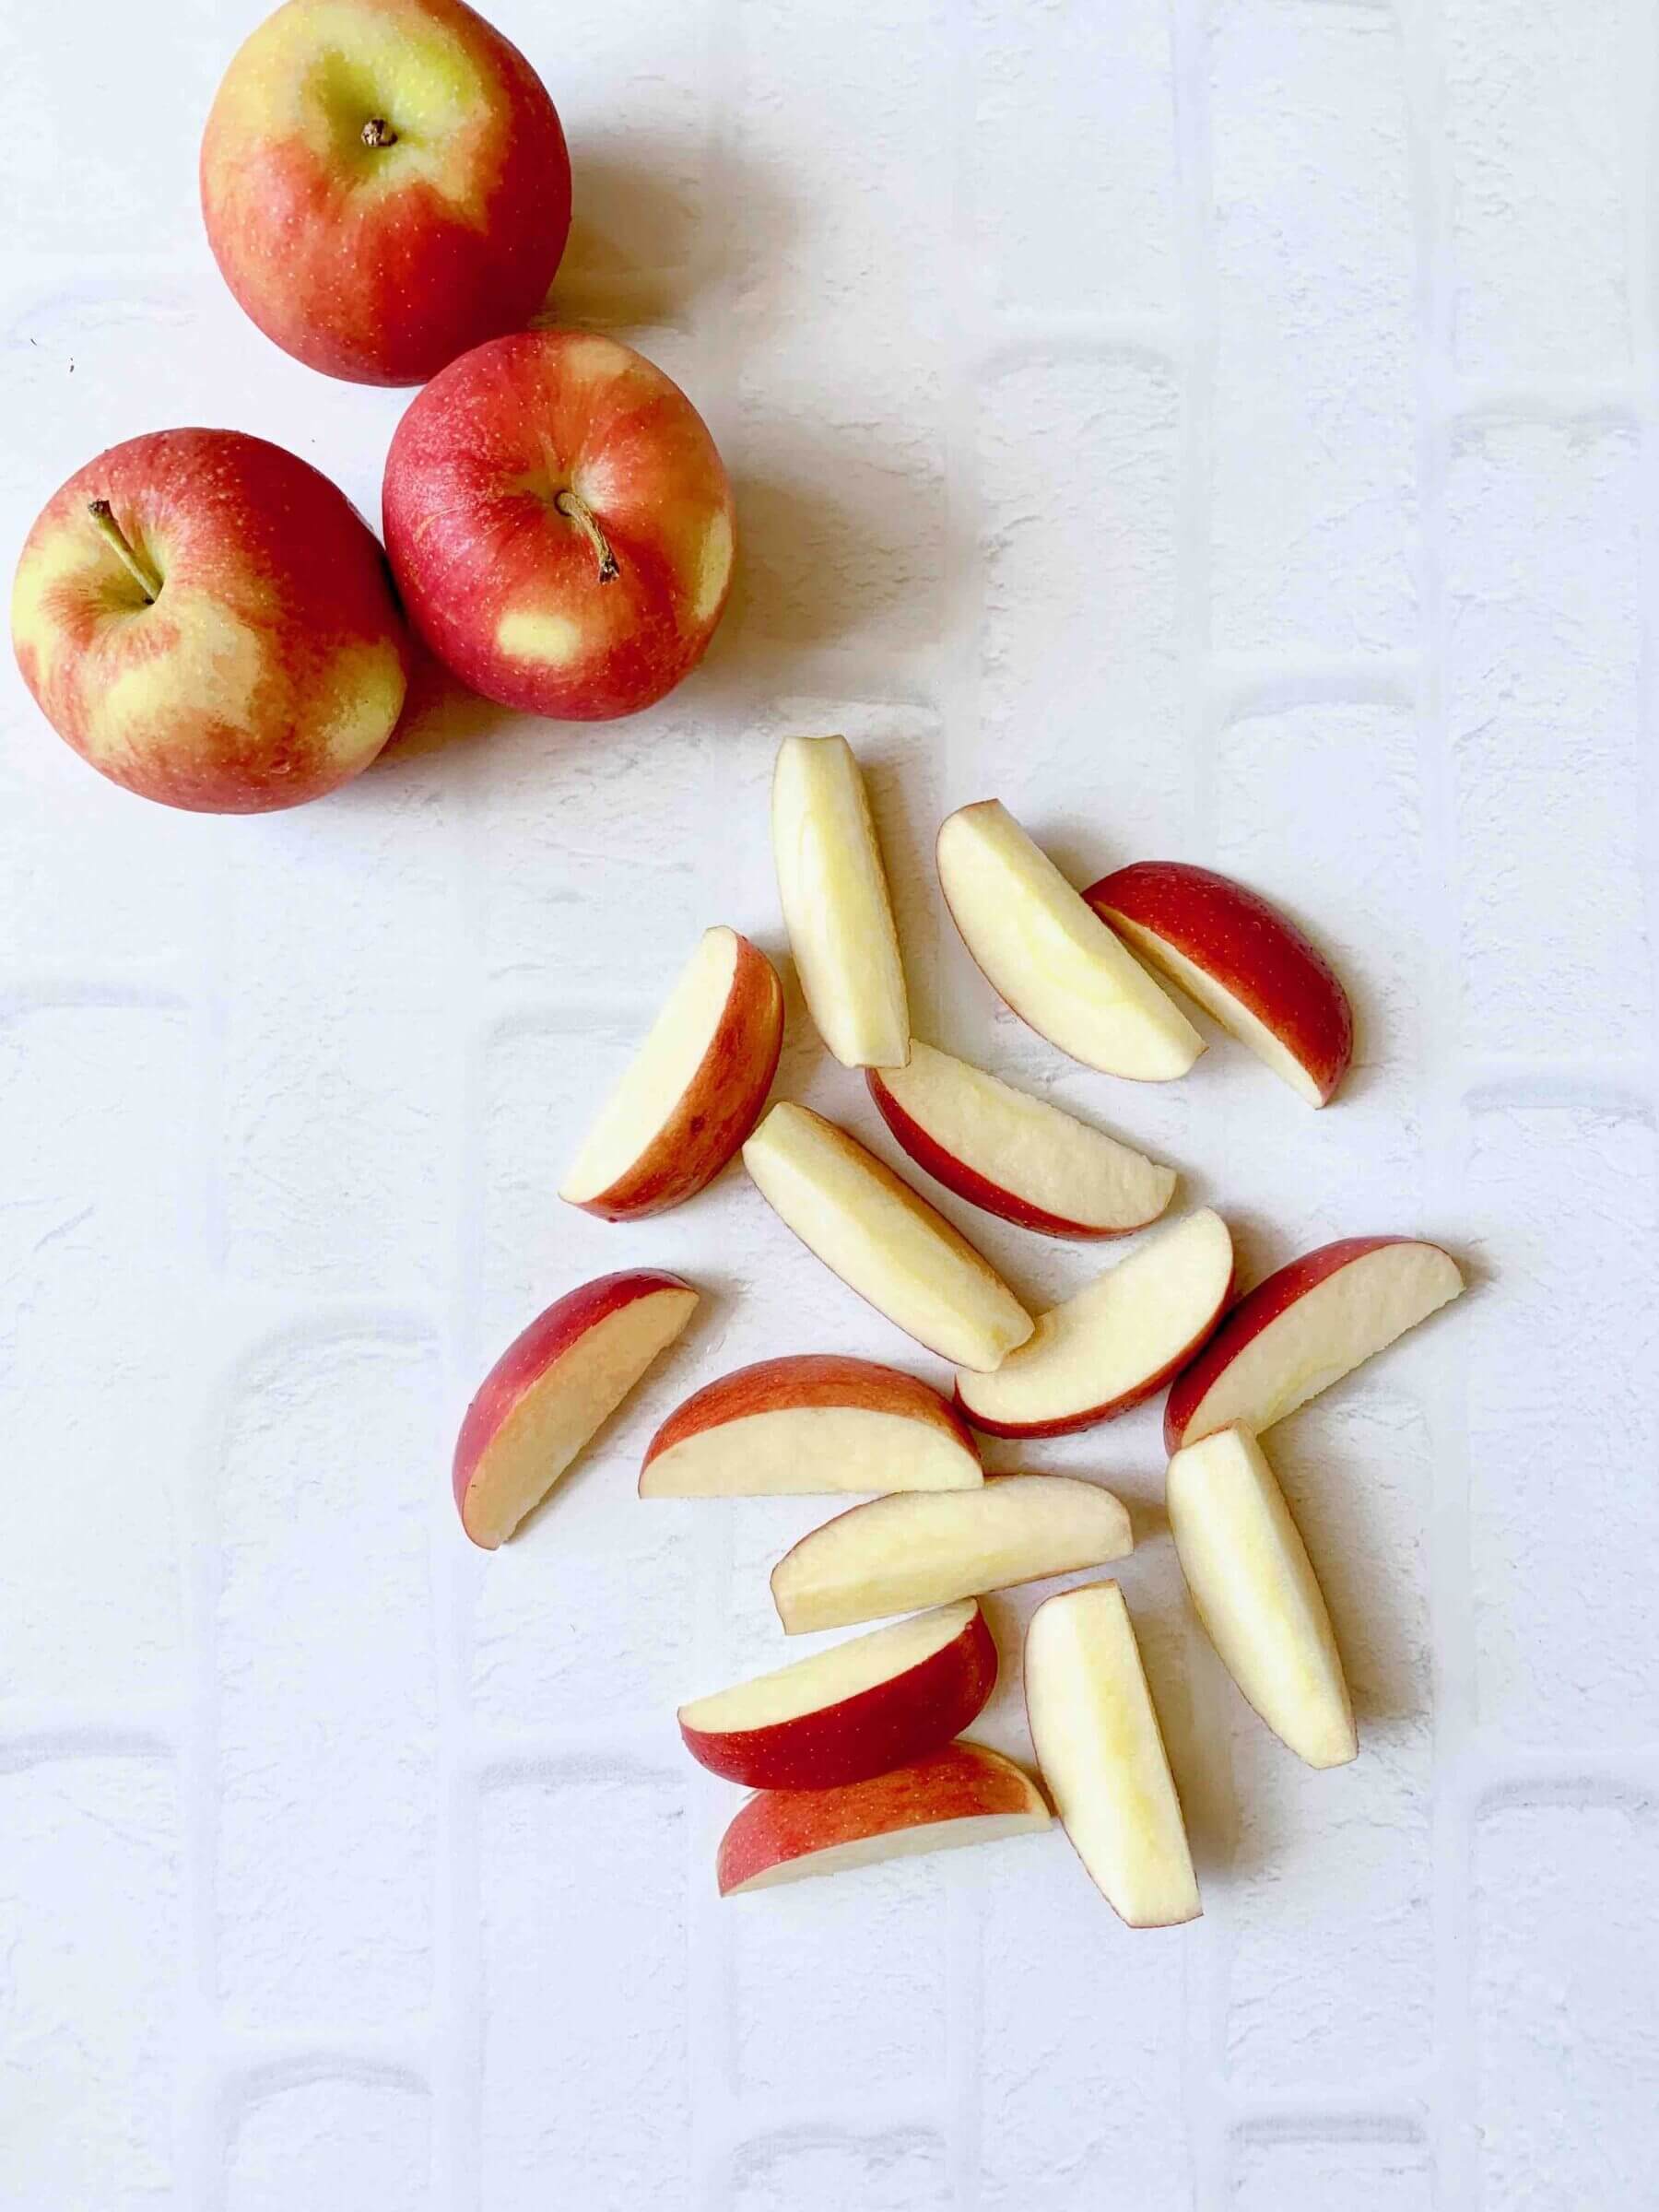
<point x="1226" y="428"/>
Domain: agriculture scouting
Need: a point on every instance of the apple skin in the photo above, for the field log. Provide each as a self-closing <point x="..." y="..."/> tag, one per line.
<point x="271" y="665"/>
<point x="382" y="262"/>
<point x="514" y="594"/>
<point x="1249" y="948"/>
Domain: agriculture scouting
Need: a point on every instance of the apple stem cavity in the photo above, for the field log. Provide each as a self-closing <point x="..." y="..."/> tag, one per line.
<point x="109" y="530"/>
<point x="377" y="131"/>
<point x="578" y="512"/>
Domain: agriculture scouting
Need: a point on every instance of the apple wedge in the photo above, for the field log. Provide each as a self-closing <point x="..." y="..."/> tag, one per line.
<point x="965" y="1794"/>
<point x="693" y="1091"/>
<point x="1306" y="1328"/>
<point x="553" y="1386"/>
<point x="836" y="907"/>
<point x="1256" y="1594"/>
<point x="1014" y="1155"/>
<point x="859" y="1708"/>
<point x="1050" y="956"/>
<point x="882" y="1239"/>
<point x="1115" y="1341"/>
<point x="1242" y="961"/>
<point x="1101" y="1754"/>
<point x="899" y="1553"/>
<point x="807" y="1425"/>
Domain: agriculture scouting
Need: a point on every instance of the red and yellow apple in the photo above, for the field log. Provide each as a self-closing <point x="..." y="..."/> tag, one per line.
<point x="384" y="185"/>
<point x="208" y="621"/>
<point x="559" y="524"/>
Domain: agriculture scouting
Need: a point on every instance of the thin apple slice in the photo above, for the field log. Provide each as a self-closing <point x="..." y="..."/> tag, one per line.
<point x="899" y="1553"/>
<point x="836" y="906"/>
<point x="1115" y="1341"/>
<point x="1014" y="1155"/>
<point x="965" y="1794"/>
<point x="1101" y="1753"/>
<point x="692" y="1092"/>
<point x="554" y="1387"/>
<point x="810" y="1424"/>
<point x="1256" y="1594"/>
<point x="876" y="1703"/>
<point x="1306" y="1328"/>
<point x="1043" y="947"/>
<point x="1242" y="961"/>
<point x="882" y="1239"/>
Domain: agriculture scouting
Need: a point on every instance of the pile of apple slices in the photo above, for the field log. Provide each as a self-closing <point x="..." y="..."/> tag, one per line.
<point x="854" y="1751"/>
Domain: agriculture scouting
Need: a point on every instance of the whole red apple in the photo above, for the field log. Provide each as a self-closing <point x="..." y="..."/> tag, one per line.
<point x="384" y="183"/>
<point x="209" y="621"/>
<point x="559" y="524"/>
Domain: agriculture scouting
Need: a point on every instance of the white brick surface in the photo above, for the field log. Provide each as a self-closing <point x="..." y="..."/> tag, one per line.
<point x="330" y="2141"/>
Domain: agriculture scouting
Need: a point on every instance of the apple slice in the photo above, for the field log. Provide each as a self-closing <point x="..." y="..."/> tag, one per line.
<point x="1049" y="955"/>
<point x="876" y="1703"/>
<point x="836" y="906"/>
<point x="882" y="1239"/>
<point x="965" y="1794"/>
<point x="1014" y="1155"/>
<point x="1257" y="1595"/>
<point x="1242" y="961"/>
<point x="1101" y="1752"/>
<point x="692" y="1092"/>
<point x="810" y="1423"/>
<point x="1306" y="1328"/>
<point x="1115" y="1341"/>
<point x="553" y="1386"/>
<point x="899" y="1553"/>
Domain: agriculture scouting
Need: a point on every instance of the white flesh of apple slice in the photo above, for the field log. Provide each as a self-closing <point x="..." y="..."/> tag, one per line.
<point x="899" y="1843"/>
<point x="1101" y="1752"/>
<point x="827" y="1677"/>
<point x="1046" y="951"/>
<point x="812" y="1451"/>
<point x="907" y="1551"/>
<point x="836" y="907"/>
<point x="1218" y="1002"/>
<point x="1256" y="1594"/>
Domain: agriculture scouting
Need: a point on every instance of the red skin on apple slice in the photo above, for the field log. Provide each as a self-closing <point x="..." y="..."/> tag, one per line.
<point x="965" y="1794"/>
<point x="1256" y="954"/>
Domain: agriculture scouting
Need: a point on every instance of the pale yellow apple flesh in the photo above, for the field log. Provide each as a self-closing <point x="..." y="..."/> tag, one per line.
<point x="1047" y="952"/>
<point x="884" y="1240"/>
<point x="828" y="1677"/>
<point x="836" y="906"/>
<point x="1255" y="1592"/>
<point x="1101" y="1753"/>
<point x="812" y="1451"/>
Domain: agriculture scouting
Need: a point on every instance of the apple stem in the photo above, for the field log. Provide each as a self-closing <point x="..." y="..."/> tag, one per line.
<point x="377" y="131"/>
<point x="109" y="530"/>
<point x="578" y="512"/>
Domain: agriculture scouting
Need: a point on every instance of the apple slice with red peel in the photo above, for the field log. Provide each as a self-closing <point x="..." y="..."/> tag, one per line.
<point x="692" y="1092"/>
<point x="836" y="907"/>
<point x="554" y="1387"/>
<point x="898" y="1553"/>
<point x="809" y="1424"/>
<point x="1257" y="1595"/>
<point x="1242" y="961"/>
<point x="965" y="1794"/>
<point x="1101" y="1754"/>
<point x="862" y="1707"/>
<point x="883" y="1238"/>
<point x="1014" y="1155"/>
<point x="1043" y="947"/>
<point x="1115" y="1341"/>
<point x="1306" y="1328"/>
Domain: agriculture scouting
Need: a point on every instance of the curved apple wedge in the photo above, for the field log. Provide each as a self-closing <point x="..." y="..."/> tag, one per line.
<point x="1050" y="956"/>
<point x="809" y="1424"/>
<point x="1304" y="1328"/>
<point x="693" y="1091"/>
<point x="965" y="1794"/>
<point x="1101" y="1754"/>
<point x="860" y="1708"/>
<point x="1113" y="1343"/>
<point x="554" y="1387"/>
<point x="1242" y="961"/>
<point x="1256" y="1594"/>
<point x="898" y="1553"/>
<point x="1014" y="1155"/>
